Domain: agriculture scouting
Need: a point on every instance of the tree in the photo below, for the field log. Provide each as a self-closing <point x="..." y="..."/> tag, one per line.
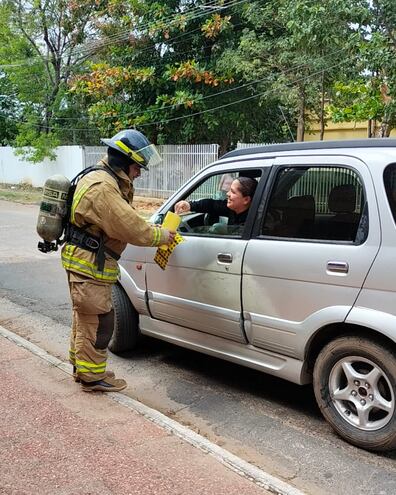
<point x="168" y="76"/>
<point x="41" y="41"/>
<point x="371" y="93"/>
<point x="300" y="48"/>
<point x="9" y="110"/>
<point x="187" y="71"/>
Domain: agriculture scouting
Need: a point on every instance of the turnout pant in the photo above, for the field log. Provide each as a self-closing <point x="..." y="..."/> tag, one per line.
<point x="92" y="326"/>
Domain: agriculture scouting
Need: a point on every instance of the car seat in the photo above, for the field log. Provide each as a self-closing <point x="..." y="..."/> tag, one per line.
<point x="344" y="223"/>
<point x="298" y="217"/>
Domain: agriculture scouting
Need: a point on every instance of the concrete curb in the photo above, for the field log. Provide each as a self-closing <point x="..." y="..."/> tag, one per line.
<point x="238" y="465"/>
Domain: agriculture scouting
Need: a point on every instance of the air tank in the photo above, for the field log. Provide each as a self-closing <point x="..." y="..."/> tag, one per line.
<point x="53" y="208"/>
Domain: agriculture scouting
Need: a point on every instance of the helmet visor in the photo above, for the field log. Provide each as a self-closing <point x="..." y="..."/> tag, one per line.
<point x="150" y="155"/>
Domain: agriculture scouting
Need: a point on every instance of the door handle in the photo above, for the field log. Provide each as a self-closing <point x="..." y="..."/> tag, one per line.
<point x="338" y="266"/>
<point x="224" y="258"/>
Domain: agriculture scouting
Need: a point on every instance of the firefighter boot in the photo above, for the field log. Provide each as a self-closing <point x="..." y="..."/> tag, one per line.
<point x="108" y="384"/>
<point x="77" y="379"/>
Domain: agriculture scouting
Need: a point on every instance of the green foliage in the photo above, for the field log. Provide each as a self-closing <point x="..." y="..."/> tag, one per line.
<point x="370" y="92"/>
<point x="185" y="73"/>
<point x="359" y="100"/>
<point x="39" y="48"/>
<point x="9" y="110"/>
<point x="35" y="146"/>
<point x="196" y="91"/>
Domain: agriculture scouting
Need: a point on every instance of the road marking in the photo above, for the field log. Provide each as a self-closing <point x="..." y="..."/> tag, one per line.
<point x="236" y="464"/>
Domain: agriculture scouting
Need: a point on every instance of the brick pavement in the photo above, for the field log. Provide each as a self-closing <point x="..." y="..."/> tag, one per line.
<point x="57" y="440"/>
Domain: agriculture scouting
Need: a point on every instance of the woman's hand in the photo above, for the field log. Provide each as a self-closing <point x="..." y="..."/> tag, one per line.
<point x="182" y="207"/>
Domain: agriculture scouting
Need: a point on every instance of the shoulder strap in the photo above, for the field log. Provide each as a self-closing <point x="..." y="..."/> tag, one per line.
<point x="92" y="169"/>
<point x="78" y="236"/>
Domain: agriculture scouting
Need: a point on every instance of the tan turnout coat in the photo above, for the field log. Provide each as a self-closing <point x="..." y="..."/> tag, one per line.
<point x="106" y="205"/>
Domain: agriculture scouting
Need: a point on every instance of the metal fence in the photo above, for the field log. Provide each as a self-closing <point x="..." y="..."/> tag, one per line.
<point x="92" y="154"/>
<point x="180" y="163"/>
<point x="241" y="146"/>
<point x="319" y="182"/>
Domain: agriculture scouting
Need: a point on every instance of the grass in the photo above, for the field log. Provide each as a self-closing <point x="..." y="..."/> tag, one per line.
<point x="21" y="193"/>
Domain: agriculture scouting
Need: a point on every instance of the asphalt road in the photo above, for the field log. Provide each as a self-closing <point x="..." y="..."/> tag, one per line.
<point x="269" y="422"/>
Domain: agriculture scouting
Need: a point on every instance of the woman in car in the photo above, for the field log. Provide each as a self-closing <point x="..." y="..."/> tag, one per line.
<point x="235" y="207"/>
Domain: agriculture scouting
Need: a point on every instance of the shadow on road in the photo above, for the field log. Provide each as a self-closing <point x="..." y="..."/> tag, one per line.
<point x="234" y="378"/>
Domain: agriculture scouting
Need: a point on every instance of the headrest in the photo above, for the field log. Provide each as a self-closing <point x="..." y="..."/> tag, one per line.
<point x="299" y="208"/>
<point x="306" y="202"/>
<point x="342" y="199"/>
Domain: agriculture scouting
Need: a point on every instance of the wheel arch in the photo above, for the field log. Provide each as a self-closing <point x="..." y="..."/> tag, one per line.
<point x="329" y="332"/>
<point x="135" y="290"/>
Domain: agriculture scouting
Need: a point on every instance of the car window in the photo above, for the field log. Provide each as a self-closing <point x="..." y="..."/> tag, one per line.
<point x="321" y="203"/>
<point x="390" y="187"/>
<point x="210" y="212"/>
<point x="214" y="187"/>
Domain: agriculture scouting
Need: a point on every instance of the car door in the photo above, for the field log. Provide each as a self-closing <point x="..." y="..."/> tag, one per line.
<point x="309" y="260"/>
<point x="201" y="286"/>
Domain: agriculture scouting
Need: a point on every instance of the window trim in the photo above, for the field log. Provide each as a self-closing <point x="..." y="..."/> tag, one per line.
<point x="388" y="191"/>
<point x="250" y="220"/>
<point x="267" y="194"/>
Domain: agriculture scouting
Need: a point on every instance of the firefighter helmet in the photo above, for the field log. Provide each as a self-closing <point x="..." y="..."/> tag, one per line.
<point x="136" y="146"/>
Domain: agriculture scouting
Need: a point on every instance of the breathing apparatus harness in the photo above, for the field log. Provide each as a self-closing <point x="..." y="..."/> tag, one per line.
<point x="126" y="147"/>
<point x="78" y="236"/>
<point x="57" y="214"/>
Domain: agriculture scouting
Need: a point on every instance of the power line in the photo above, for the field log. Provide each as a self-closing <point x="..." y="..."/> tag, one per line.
<point x="286" y="121"/>
<point x="121" y="36"/>
<point x="215" y="95"/>
<point x="265" y="93"/>
<point x="173" y="119"/>
<point x="190" y="15"/>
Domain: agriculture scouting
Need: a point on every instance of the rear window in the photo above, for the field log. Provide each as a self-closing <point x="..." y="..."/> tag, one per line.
<point x="390" y="187"/>
<point x="316" y="203"/>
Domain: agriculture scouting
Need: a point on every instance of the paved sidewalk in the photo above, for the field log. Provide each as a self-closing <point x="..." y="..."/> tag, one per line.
<point x="57" y="440"/>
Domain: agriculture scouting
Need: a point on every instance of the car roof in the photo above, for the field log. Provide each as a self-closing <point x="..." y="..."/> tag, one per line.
<point x="314" y="145"/>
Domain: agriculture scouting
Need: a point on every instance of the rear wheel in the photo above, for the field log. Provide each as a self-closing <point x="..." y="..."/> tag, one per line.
<point x="126" y="322"/>
<point x="355" y="387"/>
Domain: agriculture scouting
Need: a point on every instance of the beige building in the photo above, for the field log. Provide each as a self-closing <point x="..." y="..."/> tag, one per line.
<point x="342" y="130"/>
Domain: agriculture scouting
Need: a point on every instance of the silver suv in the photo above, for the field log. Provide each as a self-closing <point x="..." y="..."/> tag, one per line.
<point x="304" y="289"/>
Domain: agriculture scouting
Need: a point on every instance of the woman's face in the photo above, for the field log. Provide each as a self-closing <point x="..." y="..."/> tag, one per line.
<point x="235" y="201"/>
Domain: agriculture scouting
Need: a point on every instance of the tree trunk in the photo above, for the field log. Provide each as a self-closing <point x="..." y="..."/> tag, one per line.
<point x="385" y="128"/>
<point x="224" y="145"/>
<point x="372" y="130"/>
<point x="321" y="115"/>
<point x="301" y="115"/>
<point x="369" y="128"/>
<point x="389" y="117"/>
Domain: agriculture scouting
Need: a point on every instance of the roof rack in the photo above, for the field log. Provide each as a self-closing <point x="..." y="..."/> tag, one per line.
<point x="314" y="145"/>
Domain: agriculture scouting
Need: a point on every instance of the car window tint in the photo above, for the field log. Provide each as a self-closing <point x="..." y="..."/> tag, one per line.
<point x="390" y="187"/>
<point x="323" y="203"/>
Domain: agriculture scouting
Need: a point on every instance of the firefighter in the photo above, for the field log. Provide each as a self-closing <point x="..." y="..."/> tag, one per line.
<point x="102" y="222"/>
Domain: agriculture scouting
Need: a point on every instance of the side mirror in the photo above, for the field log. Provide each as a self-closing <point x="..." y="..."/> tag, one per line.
<point x="159" y="218"/>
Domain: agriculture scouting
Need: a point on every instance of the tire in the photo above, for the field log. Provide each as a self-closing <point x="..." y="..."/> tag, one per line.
<point x="126" y="322"/>
<point x="355" y="387"/>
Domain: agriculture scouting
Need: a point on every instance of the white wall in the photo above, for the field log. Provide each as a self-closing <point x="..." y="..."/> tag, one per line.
<point x="180" y="162"/>
<point x="14" y="170"/>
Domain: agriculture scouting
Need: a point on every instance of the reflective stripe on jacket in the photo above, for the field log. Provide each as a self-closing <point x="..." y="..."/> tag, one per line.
<point x="105" y="204"/>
